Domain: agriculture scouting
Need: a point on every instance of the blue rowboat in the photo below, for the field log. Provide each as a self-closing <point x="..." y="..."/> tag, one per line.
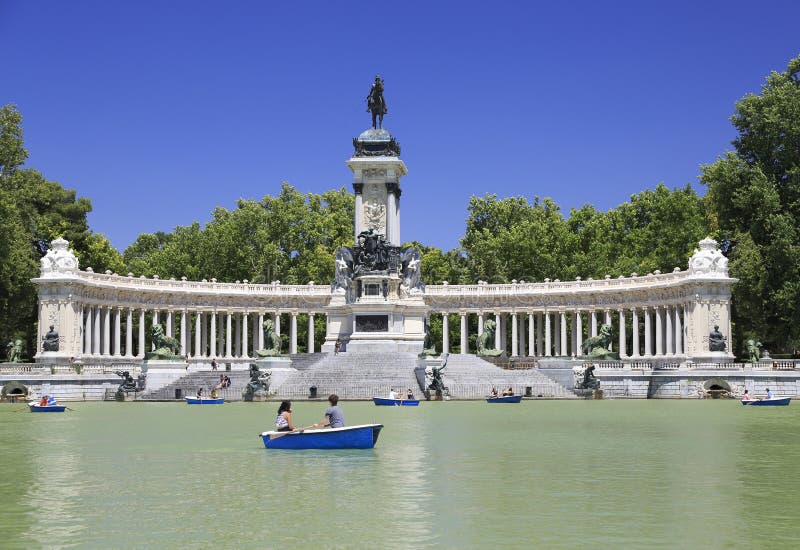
<point x="350" y="437"/>
<point x="47" y="408"/>
<point x="204" y="401"/>
<point x="774" y="402"/>
<point x="386" y="402"/>
<point x="506" y="399"/>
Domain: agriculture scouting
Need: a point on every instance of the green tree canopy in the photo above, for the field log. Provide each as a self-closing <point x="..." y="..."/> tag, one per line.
<point x="754" y="204"/>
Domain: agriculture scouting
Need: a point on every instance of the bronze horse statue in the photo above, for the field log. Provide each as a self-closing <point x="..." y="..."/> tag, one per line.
<point x="375" y="102"/>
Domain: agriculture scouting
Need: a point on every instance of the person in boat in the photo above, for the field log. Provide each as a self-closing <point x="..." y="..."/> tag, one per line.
<point x="392" y="394"/>
<point x="43" y="401"/>
<point x="770" y="395"/>
<point x="493" y="393"/>
<point x="283" y="422"/>
<point x="199" y="393"/>
<point x="334" y="417"/>
<point x="214" y="393"/>
<point x="509" y="392"/>
<point x="410" y="395"/>
<point x="745" y="396"/>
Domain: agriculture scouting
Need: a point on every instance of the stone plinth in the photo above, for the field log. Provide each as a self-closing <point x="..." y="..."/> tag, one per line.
<point x="162" y="372"/>
<point x="281" y="368"/>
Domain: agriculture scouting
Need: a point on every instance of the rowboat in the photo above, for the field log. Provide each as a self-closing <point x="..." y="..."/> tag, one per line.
<point x="774" y="402"/>
<point x="46" y="408"/>
<point x="505" y="399"/>
<point x="363" y="436"/>
<point x="386" y="402"/>
<point x="204" y="401"/>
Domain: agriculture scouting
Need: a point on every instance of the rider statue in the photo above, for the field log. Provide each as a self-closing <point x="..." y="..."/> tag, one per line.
<point x="375" y="102"/>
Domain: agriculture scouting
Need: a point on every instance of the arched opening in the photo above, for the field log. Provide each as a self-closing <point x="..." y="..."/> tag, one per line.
<point x="717" y="388"/>
<point x="14" y="392"/>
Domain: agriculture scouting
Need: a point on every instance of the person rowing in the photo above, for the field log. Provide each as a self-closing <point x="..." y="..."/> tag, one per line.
<point x="334" y="417"/>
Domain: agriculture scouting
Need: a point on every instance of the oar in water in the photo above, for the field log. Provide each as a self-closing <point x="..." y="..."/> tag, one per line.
<point x="281" y="434"/>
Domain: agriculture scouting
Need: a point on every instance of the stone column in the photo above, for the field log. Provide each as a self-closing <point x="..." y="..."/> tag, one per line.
<point x="514" y="336"/>
<point x="229" y="334"/>
<point x="259" y="333"/>
<point x="648" y="333"/>
<point x="574" y="328"/>
<point x="547" y="347"/>
<point x="623" y="344"/>
<point x="635" y="332"/>
<point x="245" y="346"/>
<point x="579" y="329"/>
<point x="117" y="314"/>
<point x="237" y="342"/>
<point x="129" y="333"/>
<point x="521" y="322"/>
<point x="669" y="349"/>
<point x="278" y="324"/>
<point x="107" y="331"/>
<point x="678" y="332"/>
<point x="98" y="318"/>
<point x="87" y="332"/>
<point x="170" y="328"/>
<point x="445" y="333"/>
<point x="198" y="333"/>
<point x="311" y="333"/>
<point x="594" y="323"/>
<point x="480" y="323"/>
<point x="659" y="333"/>
<point x="293" y="334"/>
<point x="142" y="315"/>
<point x="464" y="336"/>
<point x="531" y="336"/>
<point x="539" y="335"/>
<point x="497" y="329"/>
<point x="184" y="335"/>
<point x="203" y="333"/>
<point x="213" y="335"/>
<point x="563" y="350"/>
<point x="607" y="321"/>
<point x="391" y="224"/>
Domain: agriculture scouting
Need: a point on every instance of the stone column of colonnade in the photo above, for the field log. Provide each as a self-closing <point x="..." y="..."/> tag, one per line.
<point x="639" y="331"/>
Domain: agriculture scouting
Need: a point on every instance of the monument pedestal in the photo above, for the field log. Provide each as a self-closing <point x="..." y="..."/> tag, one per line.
<point x="281" y="368"/>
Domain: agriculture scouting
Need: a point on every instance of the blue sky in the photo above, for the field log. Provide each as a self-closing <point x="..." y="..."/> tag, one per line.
<point x="160" y="111"/>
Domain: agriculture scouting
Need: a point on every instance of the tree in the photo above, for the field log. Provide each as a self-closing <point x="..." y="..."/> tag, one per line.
<point x="33" y="212"/>
<point x="754" y="204"/>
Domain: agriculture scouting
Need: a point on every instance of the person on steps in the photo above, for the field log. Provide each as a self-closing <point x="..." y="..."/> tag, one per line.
<point x="334" y="417"/>
<point x="283" y="422"/>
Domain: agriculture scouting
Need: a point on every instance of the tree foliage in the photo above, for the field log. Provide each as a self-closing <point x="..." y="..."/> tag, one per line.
<point x="34" y="211"/>
<point x="754" y="201"/>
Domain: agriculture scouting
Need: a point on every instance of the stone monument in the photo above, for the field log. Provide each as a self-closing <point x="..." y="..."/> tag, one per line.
<point x="257" y="388"/>
<point x="377" y="301"/>
<point x="597" y="347"/>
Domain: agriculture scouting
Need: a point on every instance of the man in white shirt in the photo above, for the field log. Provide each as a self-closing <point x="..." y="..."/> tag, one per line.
<point x="392" y="395"/>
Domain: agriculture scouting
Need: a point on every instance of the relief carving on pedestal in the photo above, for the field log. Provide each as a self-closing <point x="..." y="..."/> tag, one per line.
<point x="375" y="209"/>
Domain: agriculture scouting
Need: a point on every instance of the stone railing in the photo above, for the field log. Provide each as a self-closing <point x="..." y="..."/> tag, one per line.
<point x="785" y="365"/>
<point x="21" y="368"/>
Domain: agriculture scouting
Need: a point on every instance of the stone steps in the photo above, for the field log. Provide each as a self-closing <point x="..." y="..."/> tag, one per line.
<point x="470" y="377"/>
<point x="189" y="384"/>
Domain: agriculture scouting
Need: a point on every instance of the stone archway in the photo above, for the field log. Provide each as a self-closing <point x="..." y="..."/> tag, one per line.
<point x="716" y="388"/>
<point x="14" y="391"/>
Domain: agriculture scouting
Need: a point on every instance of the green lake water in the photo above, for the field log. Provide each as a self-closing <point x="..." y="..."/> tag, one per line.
<point x="451" y="474"/>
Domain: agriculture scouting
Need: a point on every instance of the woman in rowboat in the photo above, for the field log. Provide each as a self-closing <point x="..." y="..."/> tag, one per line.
<point x="283" y="422"/>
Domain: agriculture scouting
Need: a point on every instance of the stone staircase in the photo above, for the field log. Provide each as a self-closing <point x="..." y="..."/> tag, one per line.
<point x="470" y="377"/>
<point x="350" y="375"/>
<point x="200" y="379"/>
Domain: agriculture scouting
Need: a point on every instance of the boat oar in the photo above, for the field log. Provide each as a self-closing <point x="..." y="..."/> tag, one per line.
<point x="297" y="430"/>
<point x="18" y="410"/>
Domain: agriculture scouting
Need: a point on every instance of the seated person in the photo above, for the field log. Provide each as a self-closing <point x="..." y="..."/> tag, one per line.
<point x="221" y="383"/>
<point x="199" y="393"/>
<point x="214" y="393"/>
<point x="410" y="395"/>
<point x="227" y="381"/>
<point x="392" y="394"/>
<point x="770" y="395"/>
<point x="493" y="393"/>
<point x="283" y="422"/>
<point x="43" y="401"/>
<point x="746" y="396"/>
<point x="334" y="417"/>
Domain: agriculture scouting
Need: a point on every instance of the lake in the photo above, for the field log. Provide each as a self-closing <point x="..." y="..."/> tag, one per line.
<point x="446" y="474"/>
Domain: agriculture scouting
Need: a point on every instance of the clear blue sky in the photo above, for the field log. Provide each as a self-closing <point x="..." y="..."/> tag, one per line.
<point x="160" y="111"/>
